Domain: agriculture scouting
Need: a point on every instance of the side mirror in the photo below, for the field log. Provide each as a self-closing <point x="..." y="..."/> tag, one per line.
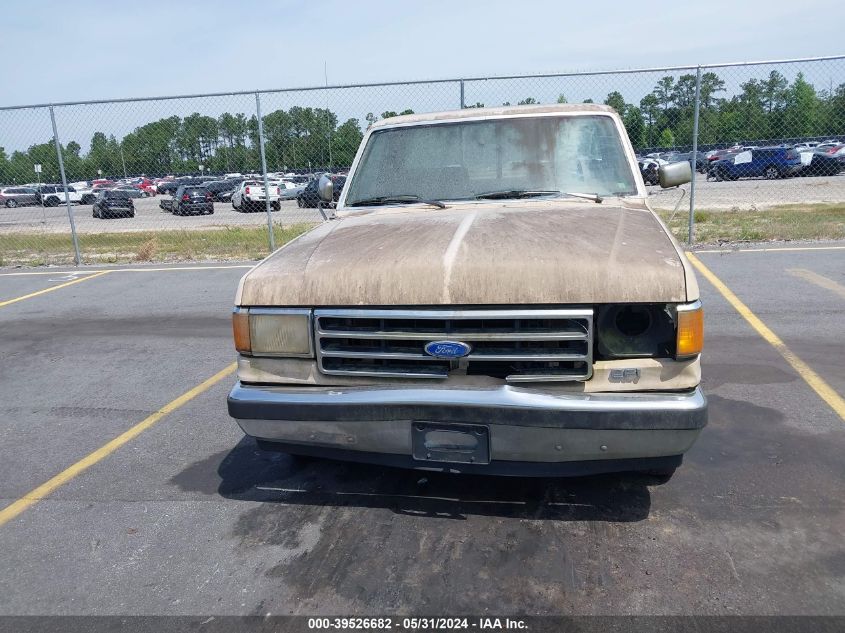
<point x="325" y="188"/>
<point x="674" y="174"/>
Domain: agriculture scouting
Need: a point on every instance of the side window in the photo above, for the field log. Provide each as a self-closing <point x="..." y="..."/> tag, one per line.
<point x="71" y="190"/>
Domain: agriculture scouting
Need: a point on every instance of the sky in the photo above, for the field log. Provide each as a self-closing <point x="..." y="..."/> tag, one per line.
<point x="91" y="49"/>
<point x="53" y="52"/>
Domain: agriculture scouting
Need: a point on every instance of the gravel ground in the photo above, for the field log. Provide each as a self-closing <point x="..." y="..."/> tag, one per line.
<point x="753" y="193"/>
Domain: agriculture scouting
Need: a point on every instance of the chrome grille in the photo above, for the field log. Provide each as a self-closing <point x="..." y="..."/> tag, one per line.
<point x="516" y="345"/>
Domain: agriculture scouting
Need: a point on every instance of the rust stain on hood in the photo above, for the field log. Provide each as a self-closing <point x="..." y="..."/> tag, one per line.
<point x="556" y="252"/>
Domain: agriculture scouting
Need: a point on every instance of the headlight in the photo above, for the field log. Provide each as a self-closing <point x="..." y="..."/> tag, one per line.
<point x="650" y="331"/>
<point x="272" y="331"/>
<point x="636" y="330"/>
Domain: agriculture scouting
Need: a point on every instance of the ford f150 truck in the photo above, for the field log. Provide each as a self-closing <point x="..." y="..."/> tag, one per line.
<point x="492" y="294"/>
<point x="250" y="197"/>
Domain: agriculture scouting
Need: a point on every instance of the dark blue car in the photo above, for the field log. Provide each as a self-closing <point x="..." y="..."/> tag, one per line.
<point x="770" y="162"/>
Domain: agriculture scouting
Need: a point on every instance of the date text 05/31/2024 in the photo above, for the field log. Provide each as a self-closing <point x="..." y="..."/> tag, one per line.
<point x="416" y="624"/>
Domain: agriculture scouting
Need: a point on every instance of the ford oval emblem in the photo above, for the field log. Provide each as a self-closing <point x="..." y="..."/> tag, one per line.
<point x="447" y="349"/>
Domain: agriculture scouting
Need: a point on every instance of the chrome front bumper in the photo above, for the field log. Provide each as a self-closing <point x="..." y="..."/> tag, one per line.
<point x="525" y="425"/>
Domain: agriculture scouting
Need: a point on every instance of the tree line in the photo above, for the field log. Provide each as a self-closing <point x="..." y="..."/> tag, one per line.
<point x="769" y="109"/>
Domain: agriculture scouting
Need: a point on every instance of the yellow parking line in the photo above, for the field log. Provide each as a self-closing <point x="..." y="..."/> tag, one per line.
<point x="52" y="288"/>
<point x="816" y="382"/>
<point x="773" y="250"/>
<point x="819" y="280"/>
<point x="122" y="270"/>
<point x="34" y="496"/>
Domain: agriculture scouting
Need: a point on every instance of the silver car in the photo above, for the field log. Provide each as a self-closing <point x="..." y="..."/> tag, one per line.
<point x="18" y="196"/>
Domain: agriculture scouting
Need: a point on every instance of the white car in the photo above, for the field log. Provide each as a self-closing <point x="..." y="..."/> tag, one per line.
<point x="250" y="196"/>
<point x="54" y="195"/>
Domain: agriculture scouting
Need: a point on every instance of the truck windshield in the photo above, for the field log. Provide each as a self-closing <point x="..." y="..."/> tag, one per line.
<point x="458" y="161"/>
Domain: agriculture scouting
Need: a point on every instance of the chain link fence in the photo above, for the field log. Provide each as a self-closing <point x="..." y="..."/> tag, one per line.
<point x="762" y="135"/>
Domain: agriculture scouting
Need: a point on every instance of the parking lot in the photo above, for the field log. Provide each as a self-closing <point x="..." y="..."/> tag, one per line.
<point x="746" y="194"/>
<point x="753" y="193"/>
<point x="148" y="217"/>
<point x="173" y="511"/>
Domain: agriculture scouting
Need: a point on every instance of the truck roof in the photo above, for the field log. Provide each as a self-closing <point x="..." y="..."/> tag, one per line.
<point x="500" y="111"/>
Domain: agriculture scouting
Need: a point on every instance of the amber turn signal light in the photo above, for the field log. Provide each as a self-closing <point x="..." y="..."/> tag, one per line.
<point x="240" y="329"/>
<point x="690" y="340"/>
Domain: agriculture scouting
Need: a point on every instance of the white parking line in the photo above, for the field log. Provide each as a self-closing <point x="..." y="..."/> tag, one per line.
<point x="819" y="280"/>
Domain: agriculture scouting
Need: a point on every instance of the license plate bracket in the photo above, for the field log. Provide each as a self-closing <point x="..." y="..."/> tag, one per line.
<point x="451" y="443"/>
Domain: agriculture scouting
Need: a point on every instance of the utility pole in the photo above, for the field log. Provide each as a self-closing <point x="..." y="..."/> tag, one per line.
<point x="328" y="115"/>
<point x="123" y="162"/>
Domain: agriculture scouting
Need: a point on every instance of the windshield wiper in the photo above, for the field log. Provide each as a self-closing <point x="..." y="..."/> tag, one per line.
<point x="515" y="193"/>
<point x="587" y="196"/>
<point x="534" y="193"/>
<point x="399" y="199"/>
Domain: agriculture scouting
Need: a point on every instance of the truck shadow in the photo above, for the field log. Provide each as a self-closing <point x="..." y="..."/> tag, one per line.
<point x="247" y="473"/>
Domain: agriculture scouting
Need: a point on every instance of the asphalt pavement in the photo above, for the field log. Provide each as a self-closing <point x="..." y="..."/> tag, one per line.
<point x="188" y="517"/>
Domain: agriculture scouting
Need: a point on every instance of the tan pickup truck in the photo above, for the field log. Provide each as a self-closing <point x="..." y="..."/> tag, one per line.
<point x="492" y="294"/>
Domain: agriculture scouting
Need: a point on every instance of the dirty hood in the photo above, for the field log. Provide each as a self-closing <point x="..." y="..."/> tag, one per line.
<point x="537" y="253"/>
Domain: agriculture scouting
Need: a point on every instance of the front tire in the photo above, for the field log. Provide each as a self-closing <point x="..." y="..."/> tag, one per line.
<point x="11" y="203"/>
<point x="658" y="476"/>
<point x="772" y="173"/>
<point x="52" y="201"/>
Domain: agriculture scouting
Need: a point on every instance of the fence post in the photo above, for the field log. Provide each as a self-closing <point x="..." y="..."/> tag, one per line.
<point x="463" y="103"/>
<point x="76" y="256"/>
<point x="264" y="171"/>
<point x="694" y="158"/>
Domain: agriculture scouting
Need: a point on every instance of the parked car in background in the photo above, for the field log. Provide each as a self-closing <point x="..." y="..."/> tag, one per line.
<point x="819" y="163"/>
<point x="12" y="197"/>
<point x="250" y="196"/>
<point x="144" y="184"/>
<point x="700" y="163"/>
<point x="222" y="190"/>
<point x="158" y="182"/>
<point x="309" y="196"/>
<point x="291" y="193"/>
<point x="171" y="186"/>
<point x="836" y="151"/>
<point x="769" y="162"/>
<point x="113" y="203"/>
<point x="96" y="188"/>
<point x="192" y="200"/>
<point x="649" y="170"/>
<point x="54" y="195"/>
<point x="132" y="191"/>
